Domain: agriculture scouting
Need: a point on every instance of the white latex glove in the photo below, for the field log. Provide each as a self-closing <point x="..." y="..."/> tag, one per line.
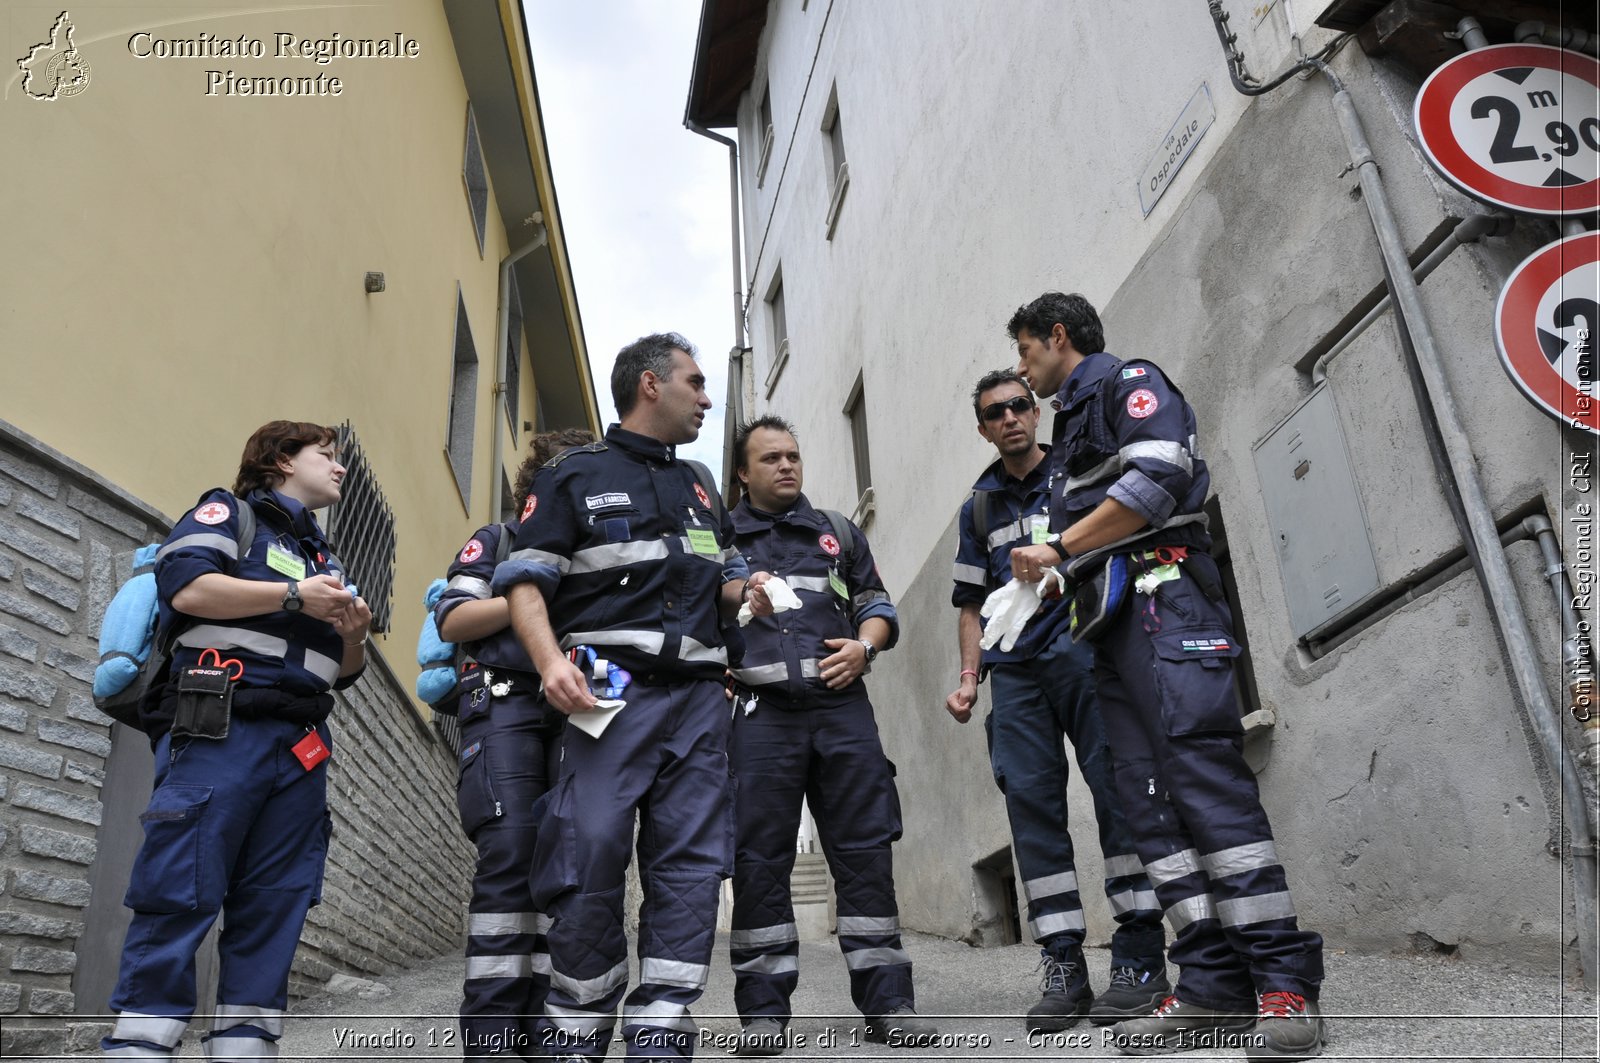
<point x="1009" y="609"/>
<point x="778" y="593"/>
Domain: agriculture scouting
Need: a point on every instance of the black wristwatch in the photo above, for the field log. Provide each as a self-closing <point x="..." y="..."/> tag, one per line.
<point x="1054" y="542"/>
<point x="872" y="651"/>
<point x="292" y="602"/>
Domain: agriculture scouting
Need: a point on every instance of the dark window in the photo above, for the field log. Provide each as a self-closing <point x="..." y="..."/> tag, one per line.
<point x="463" y="402"/>
<point x="476" y="179"/>
<point x="856" y="410"/>
<point x="514" y="359"/>
<point x="765" y="134"/>
<point x="361" y="528"/>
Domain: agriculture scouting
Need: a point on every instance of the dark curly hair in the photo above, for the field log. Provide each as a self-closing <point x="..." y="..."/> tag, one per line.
<point x="272" y="443"/>
<point x="652" y="354"/>
<point x="541" y="448"/>
<point x="1072" y="312"/>
<point x="741" y="436"/>
<point x="994" y="379"/>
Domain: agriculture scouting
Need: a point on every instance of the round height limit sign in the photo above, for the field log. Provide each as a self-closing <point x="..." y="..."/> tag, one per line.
<point x="1545" y="328"/>
<point x="1517" y="125"/>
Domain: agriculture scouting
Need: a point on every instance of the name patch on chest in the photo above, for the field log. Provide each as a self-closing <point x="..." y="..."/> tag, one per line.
<point x="615" y="498"/>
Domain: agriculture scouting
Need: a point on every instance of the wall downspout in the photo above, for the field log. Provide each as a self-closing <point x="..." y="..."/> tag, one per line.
<point x="734" y="411"/>
<point x="1577" y="648"/>
<point x="501" y="366"/>
<point x="1470" y="502"/>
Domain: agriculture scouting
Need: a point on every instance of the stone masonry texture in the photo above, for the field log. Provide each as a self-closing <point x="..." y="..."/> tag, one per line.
<point x="398" y="869"/>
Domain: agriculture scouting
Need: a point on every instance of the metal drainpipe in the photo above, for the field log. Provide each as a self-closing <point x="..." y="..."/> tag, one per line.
<point x="735" y="402"/>
<point x="1560" y="36"/>
<point x="1468" y="231"/>
<point x="1484" y="542"/>
<point x="1577" y="648"/>
<point x="501" y="366"/>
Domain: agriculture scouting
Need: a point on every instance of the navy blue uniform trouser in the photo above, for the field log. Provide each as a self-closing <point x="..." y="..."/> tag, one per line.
<point x="507" y="760"/>
<point x="235" y="826"/>
<point x="664" y="757"/>
<point x="1036" y="703"/>
<point x="1165" y="677"/>
<point x="830" y="757"/>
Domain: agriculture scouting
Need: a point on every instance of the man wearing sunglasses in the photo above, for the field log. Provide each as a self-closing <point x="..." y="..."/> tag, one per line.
<point x="1041" y="691"/>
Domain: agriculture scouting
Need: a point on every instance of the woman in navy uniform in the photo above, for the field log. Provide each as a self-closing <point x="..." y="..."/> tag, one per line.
<point x="238" y="822"/>
<point x="508" y="748"/>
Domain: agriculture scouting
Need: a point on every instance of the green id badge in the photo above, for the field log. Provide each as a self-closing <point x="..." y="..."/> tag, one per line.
<point x="1040" y="529"/>
<point x="282" y="561"/>
<point x="836" y="584"/>
<point x="703" y="540"/>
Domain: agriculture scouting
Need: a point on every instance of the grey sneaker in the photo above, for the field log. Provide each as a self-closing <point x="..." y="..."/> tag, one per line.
<point x="1064" y="991"/>
<point x="1288" y="1027"/>
<point x="1133" y="992"/>
<point x="1177" y="1026"/>
<point x="760" y="1037"/>
<point x="902" y="1028"/>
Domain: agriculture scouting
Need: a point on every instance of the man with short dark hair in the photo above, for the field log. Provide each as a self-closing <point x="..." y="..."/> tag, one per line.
<point x="623" y="548"/>
<point x="1128" y="487"/>
<point x="1042" y="691"/>
<point x="803" y="731"/>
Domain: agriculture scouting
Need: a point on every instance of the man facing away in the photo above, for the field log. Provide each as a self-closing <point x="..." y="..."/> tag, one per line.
<point x="622" y="550"/>
<point x="1127" y="490"/>
<point x="803" y="731"/>
<point x="1042" y="690"/>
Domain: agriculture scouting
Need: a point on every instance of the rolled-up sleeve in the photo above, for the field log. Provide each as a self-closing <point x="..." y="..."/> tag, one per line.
<point x="1154" y="448"/>
<point x="868" y="597"/>
<point x="198" y="547"/>
<point x="541" y="553"/>
<point x="470" y="580"/>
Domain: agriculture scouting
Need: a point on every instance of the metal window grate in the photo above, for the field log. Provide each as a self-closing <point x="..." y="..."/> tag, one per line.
<point x="361" y="527"/>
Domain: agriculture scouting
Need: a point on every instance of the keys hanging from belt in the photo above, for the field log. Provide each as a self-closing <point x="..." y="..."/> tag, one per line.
<point x="497" y="688"/>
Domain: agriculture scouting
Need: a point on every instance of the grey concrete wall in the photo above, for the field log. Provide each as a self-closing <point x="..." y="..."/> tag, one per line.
<point x="398" y="869"/>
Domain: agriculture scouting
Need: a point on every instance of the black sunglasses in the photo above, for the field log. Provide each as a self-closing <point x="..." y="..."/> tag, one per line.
<point x="1018" y="405"/>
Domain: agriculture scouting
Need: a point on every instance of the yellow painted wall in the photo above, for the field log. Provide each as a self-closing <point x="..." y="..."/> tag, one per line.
<point x="183" y="267"/>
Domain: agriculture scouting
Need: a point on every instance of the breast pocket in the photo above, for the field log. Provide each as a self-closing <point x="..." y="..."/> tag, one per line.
<point x="1089" y="438"/>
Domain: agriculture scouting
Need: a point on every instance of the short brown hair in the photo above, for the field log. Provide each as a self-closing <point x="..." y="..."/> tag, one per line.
<point x="541" y="449"/>
<point x="273" y="442"/>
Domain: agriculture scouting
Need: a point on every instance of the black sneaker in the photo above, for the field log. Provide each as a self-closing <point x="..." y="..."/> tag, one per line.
<point x="1177" y="1026"/>
<point x="1289" y="1027"/>
<point x="902" y="1028"/>
<point x="1133" y="992"/>
<point x="760" y="1037"/>
<point x="1065" y="995"/>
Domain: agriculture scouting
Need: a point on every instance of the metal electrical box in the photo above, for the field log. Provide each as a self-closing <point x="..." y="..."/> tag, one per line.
<point x="1319" y="527"/>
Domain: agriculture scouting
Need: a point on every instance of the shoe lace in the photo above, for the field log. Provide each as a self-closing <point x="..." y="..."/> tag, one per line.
<point x="1167" y="1006"/>
<point x="1124" y="978"/>
<point x="1056" y="973"/>
<point x="1280" y="1004"/>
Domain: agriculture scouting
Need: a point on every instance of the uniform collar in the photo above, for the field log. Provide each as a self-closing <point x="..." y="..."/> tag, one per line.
<point x="1088" y="373"/>
<point x="747" y="519"/>
<point x="647" y="447"/>
<point x="284" y="512"/>
<point x="995" y="476"/>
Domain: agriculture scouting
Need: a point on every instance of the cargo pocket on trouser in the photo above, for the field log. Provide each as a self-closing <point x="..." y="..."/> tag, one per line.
<point x="555" y="852"/>
<point x="1194" y="672"/>
<point x="896" y="822"/>
<point x="475" y="797"/>
<point x="320" y="855"/>
<point x="170" y="872"/>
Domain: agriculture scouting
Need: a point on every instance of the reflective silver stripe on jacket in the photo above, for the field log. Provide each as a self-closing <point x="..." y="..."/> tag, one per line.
<point x="1190" y="909"/>
<point x="690" y="649"/>
<point x="494" y="924"/>
<point x="648" y="641"/>
<point x="1163" y="450"/>
<point x="1104" y="470"/>
<point x="1010" y="532"/>
<point x="818" y="584"/>
<point x="1169" y="868"/>
<point x="231" y="1049"/>
<point x="471" y="586"/>
<point x="970" y="574"/>
<point x="1055" y="923"/>
<point x="617" y="555"/>
<point x="769" y="963"/>
<point x="1049" y="885"/>
<point x="1120" y="866"/>
<point x="223" y="544"/>
<point x="810" y="668"/>
<point x="761" y="936"/>
<point x="543" y="557"/>
<point x="582" y="1023"/>
<point x="861" y="959"/>
<point x="662" y="1014"/>
<point x="1242" y="911"/>
<point x="227" y="1016"/>
<point x="588" y="990"/>
<point x="499" y="967"/>
<point x="323" y="667"/>
<point x="223" y="637"/>
<point x="673" y="972"/>
<point x="1133" y="901"/>
<point x="1241" y="858"/>
<point x="868" y="925"/>
<point x="136" y="1026"/>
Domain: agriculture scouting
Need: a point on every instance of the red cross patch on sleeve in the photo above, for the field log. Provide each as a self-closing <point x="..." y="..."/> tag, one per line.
<point x="1142" y="403"/>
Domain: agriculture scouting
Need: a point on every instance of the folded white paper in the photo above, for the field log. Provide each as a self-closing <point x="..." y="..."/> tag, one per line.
<point x="778" y="593"/>
<point x="594" y="722"/>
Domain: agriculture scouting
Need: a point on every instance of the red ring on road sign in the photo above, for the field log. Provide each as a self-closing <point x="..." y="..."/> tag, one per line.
<point x="1516" y="331"/>
<point x="1432" y="117"/>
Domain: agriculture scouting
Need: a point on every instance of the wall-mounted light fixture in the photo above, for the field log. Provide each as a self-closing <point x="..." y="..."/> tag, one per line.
<point x="375" y="283"/>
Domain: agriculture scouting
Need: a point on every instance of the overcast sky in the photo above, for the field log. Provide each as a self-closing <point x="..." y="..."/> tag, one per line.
<point x="644" y="202"/>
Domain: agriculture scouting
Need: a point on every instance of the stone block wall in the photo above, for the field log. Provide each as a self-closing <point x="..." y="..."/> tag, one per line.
<point x="398" y="870"/>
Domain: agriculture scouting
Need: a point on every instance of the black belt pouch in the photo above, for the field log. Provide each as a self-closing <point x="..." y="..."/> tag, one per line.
<point x="204" y="703"/>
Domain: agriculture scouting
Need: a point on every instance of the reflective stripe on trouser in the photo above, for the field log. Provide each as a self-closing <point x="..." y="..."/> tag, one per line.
<point x="667" y="758"/>
<point x="237" y="826"/>
<point x="508" y="964"/>
<point x="832" y="758"/>
<point x="1171" y="715"/>
<point x="1036" y="703"/>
